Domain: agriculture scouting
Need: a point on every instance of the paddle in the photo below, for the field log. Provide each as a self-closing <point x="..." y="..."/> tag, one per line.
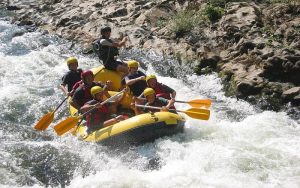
<point x="195" y="113"/>
<point x="197" y="103"/>
<point x="69" y="123"/>
<point x="46" y="120"/>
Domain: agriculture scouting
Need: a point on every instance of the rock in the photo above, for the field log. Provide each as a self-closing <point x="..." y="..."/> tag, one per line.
<point x="18" y="33"/>
<point x="267" y="52"/>
<point x="292" y="58"/>
<point x="289" y="94"/>
<point x="63" y="22"/>
<point x="273" y="68"/>
<point x="240" y="18"/>
<point x="120" y="12"/>
<point x="12" y="7"/>
<point x="244" y="77"/>
<point x="295" y="44"/>
<point x="245" y="46"/>
<point x="25" y="22"/>
<point x="292" y="95"/>
<point x="210" y="60"/>
<point x="152" y="16"/>
<point x="296" y="100"/>
<point x="225" y="54"/>
<point x="245" y="89"/>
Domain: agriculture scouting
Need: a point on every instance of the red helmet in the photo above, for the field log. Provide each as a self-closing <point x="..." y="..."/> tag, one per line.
<point x="86" y="73"/>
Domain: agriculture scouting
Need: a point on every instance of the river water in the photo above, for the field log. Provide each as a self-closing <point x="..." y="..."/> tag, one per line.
<point x="240" y="146"/>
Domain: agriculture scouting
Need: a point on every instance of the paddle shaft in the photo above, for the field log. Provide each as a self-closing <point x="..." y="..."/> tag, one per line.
<point x="46" y="120"/>
<point x="71" y="122"/>
<point x="60" y="104"/>
<point x="196" y="113"/>
<point x="157" y="108"/>
<point x="104" y="102"/>
<point x="192" y="102"/>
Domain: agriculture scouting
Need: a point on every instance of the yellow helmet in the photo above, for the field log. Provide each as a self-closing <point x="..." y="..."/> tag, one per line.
<point x="150" y="77"/>
<point x="95" y="90"/>
<point x="71" y="60"/>
<point x="132" y="64"/>
<point x="148" y="91"/>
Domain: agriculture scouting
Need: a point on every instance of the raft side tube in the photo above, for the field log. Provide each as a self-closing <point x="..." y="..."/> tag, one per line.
<point x="102" y="74"/>
<point x="141" y="128"/>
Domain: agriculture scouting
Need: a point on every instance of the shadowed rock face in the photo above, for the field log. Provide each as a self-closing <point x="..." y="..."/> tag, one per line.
<point x="263" y="60"/>
<point x="254" y="47"/>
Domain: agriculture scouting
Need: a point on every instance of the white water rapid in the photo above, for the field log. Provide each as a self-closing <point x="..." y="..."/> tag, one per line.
<point x="240" y="146"/>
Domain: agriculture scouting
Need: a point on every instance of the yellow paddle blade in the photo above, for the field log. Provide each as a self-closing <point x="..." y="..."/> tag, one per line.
<point x="45" y="121"/>
<point x="198" y="113"/>
<point x="66" y="125"/>
<point x="197" y="103"/>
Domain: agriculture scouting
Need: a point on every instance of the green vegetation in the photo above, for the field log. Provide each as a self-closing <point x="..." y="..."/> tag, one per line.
<point x="271" y="37"/>
<point x="184" y="21"/>
<point x="218" y="3"/>
<point x="213" y="13"/>
<point x="161" y="23"/>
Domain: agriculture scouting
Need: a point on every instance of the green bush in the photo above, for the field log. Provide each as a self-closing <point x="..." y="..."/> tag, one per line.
<point x="217" y="3"/>
<point x="183" y="22"/>
<point x="213" y="13"/>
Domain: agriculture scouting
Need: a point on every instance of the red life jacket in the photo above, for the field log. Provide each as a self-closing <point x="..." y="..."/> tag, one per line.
<point x="97" y="116"/>
<point x="160" y="91"/>
<point x="87" y="96"/>
<point x="76" y="85"/>
<point x="87" y="93"/>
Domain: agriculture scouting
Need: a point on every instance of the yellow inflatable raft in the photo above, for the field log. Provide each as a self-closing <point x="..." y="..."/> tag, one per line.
<point x="135" y="130"/>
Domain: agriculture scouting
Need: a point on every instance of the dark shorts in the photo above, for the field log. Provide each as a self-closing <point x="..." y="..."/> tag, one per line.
<point x="113" y="65"/>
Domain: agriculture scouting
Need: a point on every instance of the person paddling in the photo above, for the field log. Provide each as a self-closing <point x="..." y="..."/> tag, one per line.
<point x="160" y="89"/>
<point x="82" y="93"/>
<point x="152" y="100"/>
<point x="107" y="51"/>
<point x="103" y="115"/>
<point x="71" y="77"/>
<point x="135" y="79"/>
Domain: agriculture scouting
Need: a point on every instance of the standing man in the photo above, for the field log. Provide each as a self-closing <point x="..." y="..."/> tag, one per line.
<point x="71" y="77"/>
<point x="107" y="51"/>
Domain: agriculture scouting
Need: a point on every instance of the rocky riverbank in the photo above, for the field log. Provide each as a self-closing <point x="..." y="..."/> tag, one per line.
<point x="255" y="47"/>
